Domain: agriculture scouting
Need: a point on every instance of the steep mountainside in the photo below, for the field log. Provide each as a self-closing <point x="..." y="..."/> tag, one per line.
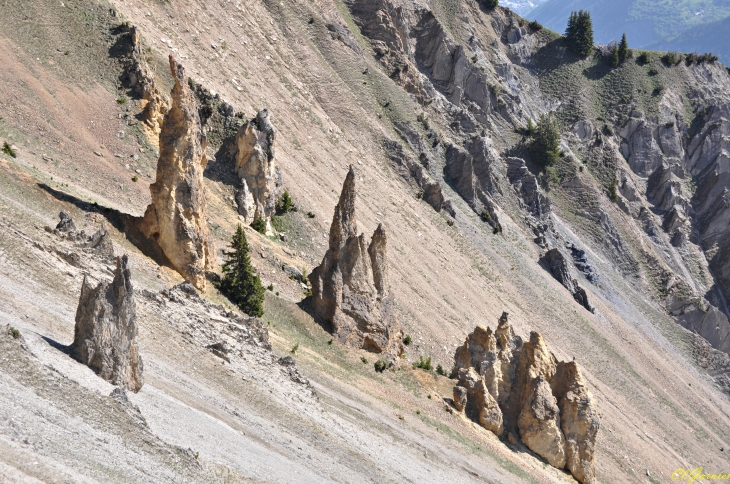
<point x="618" y="255"/>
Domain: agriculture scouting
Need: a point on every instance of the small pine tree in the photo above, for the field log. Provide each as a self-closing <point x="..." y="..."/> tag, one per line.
<point x="285" y="203"/>
<point x="530" y="127"/>
<point x="491" y="3"/>
<point x="615" y="57"/>
<point x="240" y="283"/>
<point x="546" y="142"/>
<point x="259" y="224"/>
<point x="579" y="34"/>
<point x="623" y="49"/>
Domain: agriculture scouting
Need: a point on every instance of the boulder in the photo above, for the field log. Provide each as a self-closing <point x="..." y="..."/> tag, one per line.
<point x="350" y="291"/>
<point x="511" y="387"/>
<point x="66" y="225"/>
<point x="105" y="337"/>
<point x="255" y="166"/>
<point x="176" y="219"/>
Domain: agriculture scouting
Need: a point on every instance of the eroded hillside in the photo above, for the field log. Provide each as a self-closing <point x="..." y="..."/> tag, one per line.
<point x="429" y="104"/>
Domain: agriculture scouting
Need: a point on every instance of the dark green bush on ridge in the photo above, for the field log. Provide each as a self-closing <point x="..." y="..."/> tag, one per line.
<point x="240" y="283"/>
<point x="259" y="225"/>
<point x="491" y="3"/>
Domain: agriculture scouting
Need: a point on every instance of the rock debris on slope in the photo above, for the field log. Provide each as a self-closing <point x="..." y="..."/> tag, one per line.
<point x="350" y="289"/>
<point x="519" y="388"/>
<point x="176" y="219"/>
<point x="105" y="337"/>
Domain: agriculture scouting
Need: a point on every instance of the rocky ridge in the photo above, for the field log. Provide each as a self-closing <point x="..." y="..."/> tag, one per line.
<point x="516" y="387"/>
<point x="350" y="290"/>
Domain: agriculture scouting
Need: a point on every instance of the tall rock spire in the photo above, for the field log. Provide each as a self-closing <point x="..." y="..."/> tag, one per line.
<point x="350" y="287"/>
<point x="176" y="219"/>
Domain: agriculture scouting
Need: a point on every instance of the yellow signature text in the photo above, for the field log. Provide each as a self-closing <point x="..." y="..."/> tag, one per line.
<point x="698" y="473"/>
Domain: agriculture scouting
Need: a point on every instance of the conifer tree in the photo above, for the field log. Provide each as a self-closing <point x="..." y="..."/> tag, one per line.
<point x="240" y="283"/>
<point x="623" y="49"/>
<point x="545" y="146"/>
<point x="491" y="3"/>
<point x="579" y="34"/>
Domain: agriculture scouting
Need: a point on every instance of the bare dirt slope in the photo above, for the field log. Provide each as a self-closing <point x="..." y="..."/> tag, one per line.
<point x="249" y="420"/>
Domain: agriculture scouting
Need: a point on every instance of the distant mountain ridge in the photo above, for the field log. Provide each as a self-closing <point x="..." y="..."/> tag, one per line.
<point x="647" y="23"/>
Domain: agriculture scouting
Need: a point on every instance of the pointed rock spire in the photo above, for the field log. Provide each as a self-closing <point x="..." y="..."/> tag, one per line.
<point x="105" y="336"/>
<point x="350" y="289"/>
<point x="176" y="219"/>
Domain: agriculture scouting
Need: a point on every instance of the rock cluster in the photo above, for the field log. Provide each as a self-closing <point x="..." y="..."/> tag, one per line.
<point x="558" y="267"/>
<point x="176" y="219"/>
<point x="514" y="387"/>
<point x="105" y="337"/>
<point x="350" y="289"/>
<point x="260" y="177"/>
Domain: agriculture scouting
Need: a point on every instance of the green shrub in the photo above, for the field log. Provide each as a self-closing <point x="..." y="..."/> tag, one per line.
<point x="310" y="215"/>
<point x="294" y="349"/>
<point x="491" y="3"/>
<point x="277" y="222"/>
<point x="653" y="72"/>
<point x="545" y="147"/>
<point x="240" y="284"/>
<point x="135" y="178"/>
<point x="364" y="360"/>
<point x="330" y="342"/>
<point x="579" y="34"/>
<point x="259" y="225"/>
<point x="615" y="58"/>
<point x="440" y="370"/>
<point x="284" y="204"/>
<point x="122" y="100"/>
<point x="535" y="26"/>
<point x="14" y="333"/>
<point x="613" y="190"/>
<point x="671" y="58"/>
<point x="270" y="287"/>
<point x="423" y="364"/>
<point x="407" y="340"/>
<point x="382" y="365"/>
<point x="8" y="150"/>
<point x="643" y="58"/>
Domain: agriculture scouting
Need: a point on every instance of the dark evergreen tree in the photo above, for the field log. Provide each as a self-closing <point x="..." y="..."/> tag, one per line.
<point x="240" y="283"/>
<point x="623" y="49"/>
<point x="491" y="3"/>
<point x="545" y="146"/>
<point x="579" y="34"/>
<point x="615" y="56"/>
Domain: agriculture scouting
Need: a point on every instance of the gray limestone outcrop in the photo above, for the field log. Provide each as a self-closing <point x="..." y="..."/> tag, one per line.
<point x="516" y="387"/>
<point x="558" y="266"/>
<point x="105" y="337"/>
<point x="350" y="290"/>
<point x="257" y="170"/>
<point x="176" y="219"/>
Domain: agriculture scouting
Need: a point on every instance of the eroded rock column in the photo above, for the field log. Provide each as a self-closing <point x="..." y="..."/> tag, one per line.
<point x="350" y="288"/>
<point x="176" y="219"/>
